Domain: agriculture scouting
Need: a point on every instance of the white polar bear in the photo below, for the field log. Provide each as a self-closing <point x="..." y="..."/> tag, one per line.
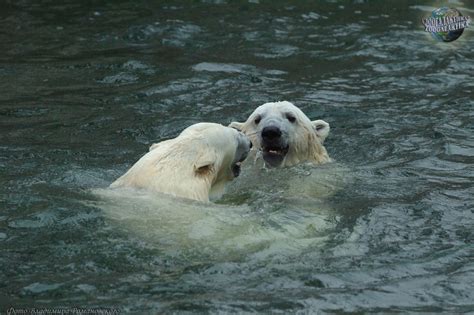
<point x="195" y="165"/>
<point x="285" y="136"/>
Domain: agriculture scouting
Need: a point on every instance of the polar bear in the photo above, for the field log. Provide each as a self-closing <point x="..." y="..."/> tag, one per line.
<point x="284" y="135"/>
<point x="194" y="165"/>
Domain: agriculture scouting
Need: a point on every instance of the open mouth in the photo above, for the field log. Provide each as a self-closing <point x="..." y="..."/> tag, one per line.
<point x="236" y="167"/>
<point x="274" y="156"/>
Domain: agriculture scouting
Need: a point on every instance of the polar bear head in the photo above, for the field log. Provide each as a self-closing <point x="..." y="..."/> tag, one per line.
<point x="195" y="165"/>
<point x="285" y="135"/>
<point x="223" y="151"/>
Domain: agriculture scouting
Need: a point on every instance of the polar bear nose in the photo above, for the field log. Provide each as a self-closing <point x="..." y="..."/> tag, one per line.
<point x="271" y="133"/>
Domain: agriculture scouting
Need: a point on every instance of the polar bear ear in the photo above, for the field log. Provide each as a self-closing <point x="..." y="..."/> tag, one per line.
<point x="236" y="125"/>
<point x="322" y="129"/>
<point x="205" y="164"/>
<point x="154" y="146"/>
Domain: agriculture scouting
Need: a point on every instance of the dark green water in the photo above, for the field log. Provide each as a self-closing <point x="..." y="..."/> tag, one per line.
<point x="86" y="86"/>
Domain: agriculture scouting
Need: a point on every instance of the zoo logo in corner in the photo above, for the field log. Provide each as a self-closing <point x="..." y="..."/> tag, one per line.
<point x="446" y="24"/>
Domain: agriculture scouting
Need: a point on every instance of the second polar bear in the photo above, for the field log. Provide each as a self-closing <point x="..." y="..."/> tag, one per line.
<point x="195" y="165"/>
<point x="285" y="135"/>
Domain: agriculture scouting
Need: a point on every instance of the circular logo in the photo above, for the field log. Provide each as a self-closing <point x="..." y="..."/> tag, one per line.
<point x="446" y="24"/>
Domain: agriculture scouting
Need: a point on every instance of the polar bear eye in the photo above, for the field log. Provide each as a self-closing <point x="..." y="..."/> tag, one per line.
<point x="257" y="119"/>
<point x="290" y="118"/>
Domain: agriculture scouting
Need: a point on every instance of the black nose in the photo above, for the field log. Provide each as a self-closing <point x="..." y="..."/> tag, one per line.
<point x="271" y="133"/>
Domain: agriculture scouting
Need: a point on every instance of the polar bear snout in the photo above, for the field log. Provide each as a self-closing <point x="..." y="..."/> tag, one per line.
<point x="274" y="145"/>
<point x="271" y="133"/>
<point x="243" y="148"/>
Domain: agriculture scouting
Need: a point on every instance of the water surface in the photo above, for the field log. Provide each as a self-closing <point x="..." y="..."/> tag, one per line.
<point x="85" y="87"/>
